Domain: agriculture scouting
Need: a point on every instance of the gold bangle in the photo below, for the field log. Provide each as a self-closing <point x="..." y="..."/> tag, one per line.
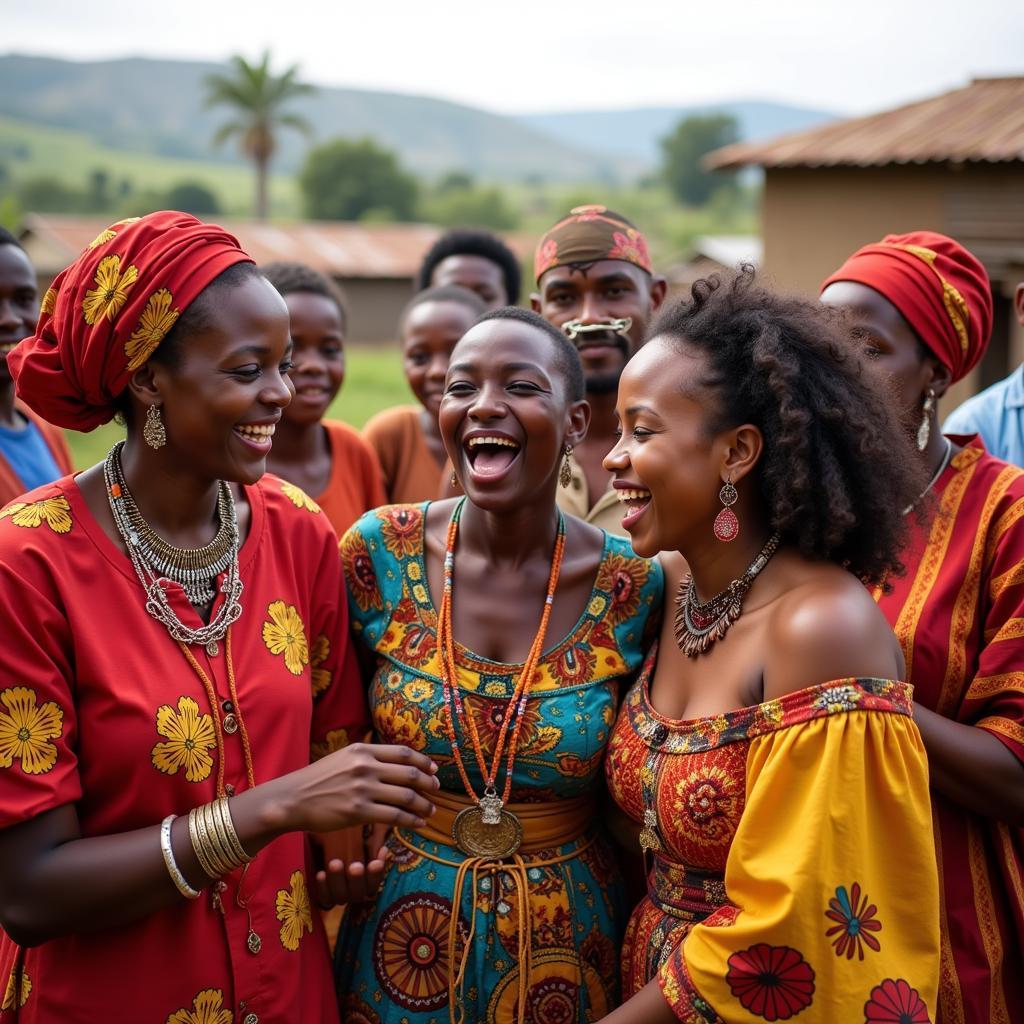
<point x="200" y="842"/>
<point x="222" y="851"/>
<point x="179" y="880"/>
<point x="224" y="807"/>
<point x="214" y="849"/>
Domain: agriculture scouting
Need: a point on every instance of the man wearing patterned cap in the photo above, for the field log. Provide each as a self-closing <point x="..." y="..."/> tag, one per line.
<point x="595" y="282"/>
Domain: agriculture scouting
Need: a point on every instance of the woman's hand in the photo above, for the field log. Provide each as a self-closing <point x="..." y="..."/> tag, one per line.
<point x="362" y="784"/>
<point x="355" y="862"/>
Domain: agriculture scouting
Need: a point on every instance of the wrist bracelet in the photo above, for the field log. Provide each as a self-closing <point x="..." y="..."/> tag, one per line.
<point x="200" y="842"/>
<point x="171" y="864"/>
<point x="235" y="844"/>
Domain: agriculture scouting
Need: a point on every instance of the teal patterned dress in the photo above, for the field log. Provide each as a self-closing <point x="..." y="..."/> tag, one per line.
<point x="546" y="932"/>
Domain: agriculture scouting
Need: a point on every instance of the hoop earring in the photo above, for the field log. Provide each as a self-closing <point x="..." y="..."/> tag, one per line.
<point x="924" y="431"/>
<point x="727" y="526"/>
<point x="153" y="433"/>
<point x="565" y="473"/>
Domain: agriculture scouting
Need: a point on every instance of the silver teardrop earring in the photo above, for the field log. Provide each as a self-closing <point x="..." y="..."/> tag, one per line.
<point x="153" y="432"/>
<point x="924" y="431"/>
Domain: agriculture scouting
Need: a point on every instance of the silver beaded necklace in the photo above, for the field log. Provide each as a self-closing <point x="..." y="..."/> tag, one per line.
<point x="158" y="562"/>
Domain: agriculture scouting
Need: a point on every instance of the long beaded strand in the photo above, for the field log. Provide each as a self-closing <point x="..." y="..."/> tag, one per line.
<point x="520" y="694"/>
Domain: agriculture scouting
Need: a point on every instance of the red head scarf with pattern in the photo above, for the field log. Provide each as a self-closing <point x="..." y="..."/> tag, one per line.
<point x="589" y="234"/>
<point x="940" y="288"/>
<point x="107" y="313"/>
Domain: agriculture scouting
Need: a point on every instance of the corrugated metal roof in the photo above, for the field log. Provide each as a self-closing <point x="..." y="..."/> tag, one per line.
<point x="340" y="249"/>
<point x="983" y="122"/>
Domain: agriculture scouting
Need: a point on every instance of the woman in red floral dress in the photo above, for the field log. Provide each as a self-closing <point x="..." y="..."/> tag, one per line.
<point x="158" y="704"/>
<point x="768" y="749"/>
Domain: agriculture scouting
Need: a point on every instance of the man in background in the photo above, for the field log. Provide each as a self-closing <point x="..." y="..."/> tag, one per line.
<point x="997" y="414"/>
<point x="595" y="282"/>
<point x="476" y="260"/>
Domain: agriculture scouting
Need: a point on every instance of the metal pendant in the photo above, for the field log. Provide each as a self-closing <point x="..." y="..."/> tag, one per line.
<point x="649" y="839"/>
<point x="475" y="837"/>
<point x="490" y="807"/>
<point x="212" y="648"/>
<point x="254" y="943"/>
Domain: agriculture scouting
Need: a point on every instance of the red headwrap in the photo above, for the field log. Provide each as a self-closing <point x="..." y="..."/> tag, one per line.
<point x="589" y="234"/>
<point x="106" y="314"/>
<point x="940" y="288"/>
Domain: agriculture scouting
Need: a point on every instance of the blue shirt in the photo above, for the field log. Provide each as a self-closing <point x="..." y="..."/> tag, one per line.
<point x="998" y="415"/>
<point x="29" y="455"/>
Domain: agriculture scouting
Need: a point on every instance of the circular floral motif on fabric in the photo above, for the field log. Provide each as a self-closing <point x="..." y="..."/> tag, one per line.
<point x="773" y="982"/>
<point x="410" y="951"/>
<point x="188" y="739"/>
<point x="623" y="578"/>
<point x="400" y="529"/>
<point x="708" y="800"/>
<point x="359" y="572"/>
<point x="55" y="512"/>
<point x="26" y="729"/>
<point x="555" y="993"/>
<point x="895" y="1002"/>
<point x="285" y="634"/>
<point x="856" y="919"/>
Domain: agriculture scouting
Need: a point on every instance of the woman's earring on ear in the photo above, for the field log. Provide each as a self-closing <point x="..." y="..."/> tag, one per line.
<point x="153" y="432"/>
<point x="453" y="479"/>
<point x="727" y="526"/>
<point x="924" y="432"/>
<point x="565" y="473"/>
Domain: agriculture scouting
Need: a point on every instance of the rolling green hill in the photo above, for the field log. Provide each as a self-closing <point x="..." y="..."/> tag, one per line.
<point x="156" y="107"/>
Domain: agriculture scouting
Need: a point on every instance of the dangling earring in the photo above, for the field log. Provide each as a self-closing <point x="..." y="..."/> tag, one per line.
<point x="727" y="526"/>
<point x="453" y="479"/>
<point x="924" y="432"/>
<point x="565" y="473"/>
<point x="153" y="433"/>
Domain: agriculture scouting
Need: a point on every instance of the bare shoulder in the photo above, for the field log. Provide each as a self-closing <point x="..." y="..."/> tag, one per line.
<point x="674" y="566"/>
<point x="824" y="627"/>
<point x="584" y="543"/>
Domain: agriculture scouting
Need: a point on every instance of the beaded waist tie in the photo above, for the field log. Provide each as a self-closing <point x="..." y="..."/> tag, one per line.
<point x="545" y="826"/>
<point x="684" y="892"/>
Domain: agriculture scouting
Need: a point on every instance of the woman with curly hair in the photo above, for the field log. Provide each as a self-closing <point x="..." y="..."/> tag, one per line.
<point x="923" y="306"/>
<point x="768" y="749"/>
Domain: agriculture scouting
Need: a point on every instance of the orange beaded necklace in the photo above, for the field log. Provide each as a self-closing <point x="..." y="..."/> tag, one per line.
<point x="488" y="830"/>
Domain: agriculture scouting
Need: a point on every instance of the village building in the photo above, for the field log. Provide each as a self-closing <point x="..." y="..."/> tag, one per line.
<point x="953" y="163"/>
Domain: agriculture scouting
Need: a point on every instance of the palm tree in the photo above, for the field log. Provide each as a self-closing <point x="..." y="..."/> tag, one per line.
<point x="257" y="96"/>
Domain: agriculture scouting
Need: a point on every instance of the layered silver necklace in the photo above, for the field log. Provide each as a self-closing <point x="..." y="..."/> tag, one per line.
<point x="158" y="562"/>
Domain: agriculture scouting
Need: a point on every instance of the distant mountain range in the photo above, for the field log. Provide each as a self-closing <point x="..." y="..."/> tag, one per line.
<point x="157" y="107"/>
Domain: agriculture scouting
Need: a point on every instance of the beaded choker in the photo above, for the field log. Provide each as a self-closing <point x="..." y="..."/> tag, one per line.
<point x="195" y="569"/>
<point x="698" y="626"/>
<point x="488" y="830"/>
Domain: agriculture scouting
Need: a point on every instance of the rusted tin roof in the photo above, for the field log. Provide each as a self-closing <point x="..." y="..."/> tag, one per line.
<point x="982" y="122"/>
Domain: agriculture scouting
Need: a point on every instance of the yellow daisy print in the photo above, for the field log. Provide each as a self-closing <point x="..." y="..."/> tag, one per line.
<point x="26" y="731"/>
<point x="189" y="736"/>
<point x="336" y="739"/>
<point x="293" y="912"/>
<point x="55" y="512"/>
<point x="319" y="653"/>
<point x="49" y="303"/>
<point x="111" y="291"/>
<point x="417" y="690"/>
<point x="298" y="497"/>
<point x="207" y="1008"/>
<point x="285" y="634"/>
<point x="156" y="320"/>
<point x="17" y="992"/>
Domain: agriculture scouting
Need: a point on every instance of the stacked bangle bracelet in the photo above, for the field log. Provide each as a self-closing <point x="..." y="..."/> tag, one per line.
<point x="214" y="839"/>
<point x="173" y="870"/>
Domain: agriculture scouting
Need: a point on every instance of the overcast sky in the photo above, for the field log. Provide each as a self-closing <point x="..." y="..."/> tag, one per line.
<point x="547" y="55"/>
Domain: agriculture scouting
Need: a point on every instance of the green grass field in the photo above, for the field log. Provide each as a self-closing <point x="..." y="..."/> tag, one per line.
<point x="373" y="381"/>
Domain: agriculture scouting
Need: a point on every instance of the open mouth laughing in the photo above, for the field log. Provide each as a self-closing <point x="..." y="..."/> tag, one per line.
<point x="490" y="455"/>
<point x="635" y="500"/>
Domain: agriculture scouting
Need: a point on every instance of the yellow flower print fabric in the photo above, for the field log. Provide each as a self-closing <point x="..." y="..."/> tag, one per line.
<point x="293" y="911"/>
<point x="207" y="1008"/>
<point x="26" y="730"/>
<point x="19" y="988"/>
<point x="111" y="291"/>
<point x="189" y="739"/>
<point x="284" y="634"/>
<point x="55" y="512"/>
<point x="157" y="319"/>
<point x="298" y="497"/>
